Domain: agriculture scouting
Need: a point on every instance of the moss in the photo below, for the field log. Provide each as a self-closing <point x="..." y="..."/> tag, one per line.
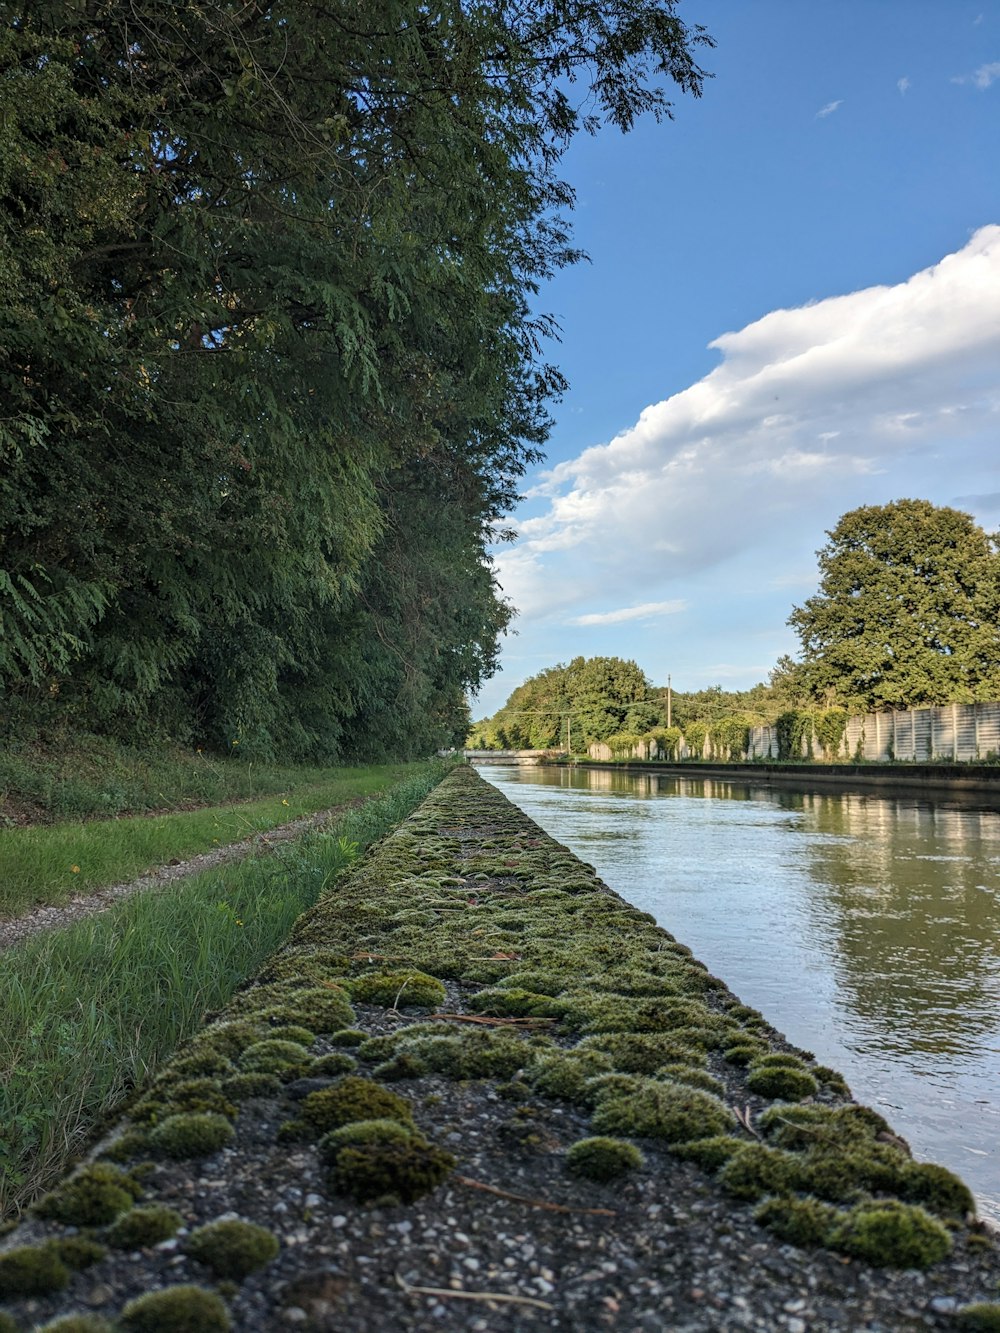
<point x="936" y="1188"/>
<point x="228" y="1039"/>
<point x="144" y="1226"/>
<point x="185" y="1309"/>
<point x="293" y="1131"/>
<point x="362" y="1131"/>
<point x="231" y="1248"/>
<point x="516" y="1003"/>
<point x="891" y="1235"/>
<point x="779" y="1060"/>
<point x="192" y="1134"/>
<point x="402" y="1066"/>
<point x="168" y="1098"/>
<point x="133" y="1143"/>
<point x="803" y="1222"/>
<point x="347" y="1037"/>
<point x="791" y="1085"/>
<point x="31" y="1270"/>
<point x="393" y="989"/>
<point x="92" y="1197"/>
<point x="602" y="1159"/>
<point x="694" y="1078"/>
<point x="8" y="1324"/>
<point x="642" y="1052"/>
<point x="387" y="1170"/>
<point x="710" y="1153"/>
<point x="292" y="1032"/>
<point x="316" y="1008"/>
<point x="78" y="1252"/>
<point x="831" y="1079"/>
<point x="241" y="1087"/>
<point x="538" y="982"/>
<point x="201" y="1062"/>
<point x="474" y="1053"/>
<point x="567" y="1076"/>
<point x="742" y="1053"/>
<point x="983" y="1317"/>
<point x="663" y="1110"/>
<point x="842" y="1174"/>
<point x="756" y="1170"/>
<point x="353" y="1098"/>
<point x="285" y="1059"/>
<point x="332" y="1065"/>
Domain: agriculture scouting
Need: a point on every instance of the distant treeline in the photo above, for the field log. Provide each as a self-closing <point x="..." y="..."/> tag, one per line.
<point x="270" y="366"/>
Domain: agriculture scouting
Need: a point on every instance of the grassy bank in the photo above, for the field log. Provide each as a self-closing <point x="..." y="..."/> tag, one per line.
<point x="47" y="863"/>
<point x="47" y="776"/>
<point x="91" y="1010"/>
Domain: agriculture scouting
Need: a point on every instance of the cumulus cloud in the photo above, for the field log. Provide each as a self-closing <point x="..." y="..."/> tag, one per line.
<point x="982" y="77"/>
<point x="903" y="84"/>
<point x="646" y="611"/>
<point x="829" y="109"/>
<point x="886" y="392"/>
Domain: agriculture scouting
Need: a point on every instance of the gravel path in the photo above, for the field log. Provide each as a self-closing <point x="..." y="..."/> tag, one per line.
<point x="510" y="1241"/>
<point x="51" y="917"/>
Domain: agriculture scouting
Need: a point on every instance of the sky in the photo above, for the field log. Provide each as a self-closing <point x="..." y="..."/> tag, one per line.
<point x="792" y="308"/>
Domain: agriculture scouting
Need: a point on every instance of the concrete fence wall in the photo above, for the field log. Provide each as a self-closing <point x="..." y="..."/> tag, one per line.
<point x="962" y="732"/>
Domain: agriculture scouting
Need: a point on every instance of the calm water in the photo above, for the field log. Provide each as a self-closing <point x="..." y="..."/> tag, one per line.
<point x="866" y="928"/>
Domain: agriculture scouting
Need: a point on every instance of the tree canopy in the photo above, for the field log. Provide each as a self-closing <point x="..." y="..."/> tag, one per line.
<point x="270" y="366"/>
<point x="906" y="614"/>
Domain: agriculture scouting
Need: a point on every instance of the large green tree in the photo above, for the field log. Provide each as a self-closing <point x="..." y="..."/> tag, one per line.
<point x="266" y="274"/>
<point x="907" y="613"/>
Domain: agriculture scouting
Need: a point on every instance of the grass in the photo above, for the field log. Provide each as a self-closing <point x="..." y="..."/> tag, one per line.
<point x="59" y="775"/>
<point x="90" y="1011"/>
<point x="49" y="862"/>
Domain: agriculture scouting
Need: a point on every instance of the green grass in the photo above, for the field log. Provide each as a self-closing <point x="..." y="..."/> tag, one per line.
<point x="90" y="1011"/>
<point x="46" y="776"/>
<point x="49" y="862"/>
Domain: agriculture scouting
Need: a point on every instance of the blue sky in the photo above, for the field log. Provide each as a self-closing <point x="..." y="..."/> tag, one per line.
<point x="793" y="308"/>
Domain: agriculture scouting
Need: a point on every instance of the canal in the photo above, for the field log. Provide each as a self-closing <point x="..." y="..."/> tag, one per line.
<point x="866" y="928"/>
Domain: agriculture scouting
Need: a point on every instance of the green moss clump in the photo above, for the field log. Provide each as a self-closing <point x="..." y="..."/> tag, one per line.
<point x="475" y="1053"/>
<point x="538" y="982"/>
<point x="743" y="1053"/>
<point x="228" y="1039"/>
<point x="170" y="1098"/>
<point x="694" y="1078"/>
<point x="756" y="1170"/>
<point x="663" y="1110"/>
<point x="241" y="1087"/>
<point x="402" y="1066"/>
<point x="347" y="1037"/>
<point x="791" y="1085"/>
<point x="292" y="1032"/>
<point x="803" y="1222"/>
<point x="353" y="1098"/>
<point x="201" y="1062"/>
<point x="8" y="1324"/>
<point x="936" y="1188"/>
<point x="192" y="1134"/>
<point x="387" y="1170"/>
<point x="144" y="1226"/>
<point x="317" y="1008"/>
<point x="231" y="1248"/>
<point x="93" y="1197"/>
<point x="513" y="1002"/>
<point x="362" y="1131"/>
<point x="779" y="1060"/>
<point x="133" y="1143"/>
<point x="567" y="1076"/>
<point x="78" y="1252"/>
<point x="31" y="1270"/>
<point x="709" y="1153"/>
<point x="890" y="1234"/>
<point x="830" y="1078"/>
<point x="185" y="1309"/>
<point x="642" y="1052"/>
<point x="285" y="1059"/>
<point x="983" y="1317"/>
<point x="332" y="1065"/>
<point x="602" y="1159"/>
<point x="412" y="989"/>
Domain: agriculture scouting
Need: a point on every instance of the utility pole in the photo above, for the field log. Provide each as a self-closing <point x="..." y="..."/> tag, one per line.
<point x="668" y="700"/>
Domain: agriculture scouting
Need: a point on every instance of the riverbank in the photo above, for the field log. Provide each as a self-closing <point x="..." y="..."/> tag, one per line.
<point x="885" y="778"/>
<point x="402" y="1103"/>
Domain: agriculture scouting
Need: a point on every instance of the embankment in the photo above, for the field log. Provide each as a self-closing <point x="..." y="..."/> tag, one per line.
<point x="478" y="1090"/>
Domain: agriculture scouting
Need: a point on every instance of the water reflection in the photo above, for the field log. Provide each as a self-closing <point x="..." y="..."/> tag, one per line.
<point x="865" y="927"/>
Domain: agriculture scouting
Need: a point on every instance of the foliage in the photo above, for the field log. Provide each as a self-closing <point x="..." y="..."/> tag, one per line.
<point x="829" y="727"/>
<point x="793" y="727"/>
<point x="906" y="615"/>
<point x="271" y="369"/>
<point x="730" y="736"/>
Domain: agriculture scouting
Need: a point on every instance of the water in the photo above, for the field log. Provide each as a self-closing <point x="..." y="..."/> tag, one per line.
<point x="866" y="928"/>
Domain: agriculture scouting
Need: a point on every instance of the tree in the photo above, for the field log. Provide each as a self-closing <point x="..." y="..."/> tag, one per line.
<point x="907" y="610"/>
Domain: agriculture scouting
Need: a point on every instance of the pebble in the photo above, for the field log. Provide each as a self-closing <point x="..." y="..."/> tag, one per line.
<point x="944" y="1304"/>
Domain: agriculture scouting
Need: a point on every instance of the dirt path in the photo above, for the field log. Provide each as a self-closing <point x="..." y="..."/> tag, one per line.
<point x="14" y="930"/>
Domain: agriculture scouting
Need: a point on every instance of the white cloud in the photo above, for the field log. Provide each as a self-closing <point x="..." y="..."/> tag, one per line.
<point x="886" y="392"/>
<point x="647" y="611"/>
<point x="981" y="78"/>
<point x="903" y="84"/>
<point x="829" y="109"/>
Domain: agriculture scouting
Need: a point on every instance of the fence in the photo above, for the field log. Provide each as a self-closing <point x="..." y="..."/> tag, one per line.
<point x="957" y="732"/>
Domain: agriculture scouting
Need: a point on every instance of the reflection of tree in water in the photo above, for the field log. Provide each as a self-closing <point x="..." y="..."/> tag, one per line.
<point x="907" y="894"/>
